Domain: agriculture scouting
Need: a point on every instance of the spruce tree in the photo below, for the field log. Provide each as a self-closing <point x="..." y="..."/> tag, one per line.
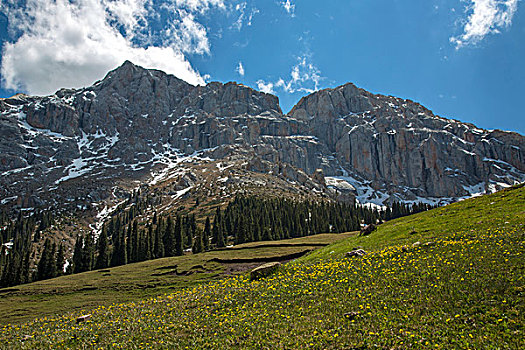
<point x="115" y="238"/>
<point x="60" y="259"/>
<point x="179" y="248"/>
<point x="103" y="250"/>
<point x="129" y="243"/>
<point x="169" y="238"/>
<point x="43" y="263"/>
<point x="198" y="245"/>
<point x="206" y="234"/>
<point x="158" y="246"/>
<point x="216" y="224"/>
<point x="123" y="251"/>
<point x="52" y="266"/>
<point x="221" y="239"/>
<point x="136" y="242"/>
<point x="147" y="249"/>
<point x="88" y="253"/>
<point x="77" y="254"/>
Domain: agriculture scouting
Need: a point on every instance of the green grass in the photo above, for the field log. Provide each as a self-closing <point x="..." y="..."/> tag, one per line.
<point x="504" y="209"/>
<point x="464" y="292"/>
<point x="140" y="280"/>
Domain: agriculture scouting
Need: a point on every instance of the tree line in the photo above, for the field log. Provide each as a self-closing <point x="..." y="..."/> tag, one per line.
<point x="17" y="239"/>
<point x="124" y="239"/>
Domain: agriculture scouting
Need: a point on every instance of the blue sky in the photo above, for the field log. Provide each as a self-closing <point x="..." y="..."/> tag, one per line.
<point x="463" y="59"/>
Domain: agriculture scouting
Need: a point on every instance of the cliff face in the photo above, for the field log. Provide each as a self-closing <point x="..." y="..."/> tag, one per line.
<point x="402" y="146"/>
<point x="139" y="126"/>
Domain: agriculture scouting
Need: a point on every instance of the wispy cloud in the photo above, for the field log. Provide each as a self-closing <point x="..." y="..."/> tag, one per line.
<point x="245" y="17"/>
<point x="199" y="5"/>
<point x="304" y="77"/>
<point x="73" y="43"/>
<point x="289" y="7"/>
<point x="240" y="69"/>
<point x="484" y="17"/>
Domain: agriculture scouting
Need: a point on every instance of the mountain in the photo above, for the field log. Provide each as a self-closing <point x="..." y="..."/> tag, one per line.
<point x="87" y="149"/>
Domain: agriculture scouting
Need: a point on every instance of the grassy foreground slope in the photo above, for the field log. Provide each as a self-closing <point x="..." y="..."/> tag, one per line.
<point x="465" y="290"/>
<point x="145" y="279"/>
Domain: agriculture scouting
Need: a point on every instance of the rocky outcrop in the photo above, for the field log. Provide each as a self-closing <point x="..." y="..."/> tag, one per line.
<point x="264" y="270"/>
<point x="139" y="125"/>
<point x="398" y="145"/>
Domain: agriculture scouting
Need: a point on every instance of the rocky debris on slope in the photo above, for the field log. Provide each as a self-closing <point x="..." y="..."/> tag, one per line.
<point x="368" y="229"/>
<point x="353" y="253"/>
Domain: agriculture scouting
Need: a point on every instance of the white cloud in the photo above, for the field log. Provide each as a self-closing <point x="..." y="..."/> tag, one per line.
<point x="265" y="87"/>
<point x="241" y="7"/>
<point x="243" y="16"/>
<point x="253" y="12"/>
<point x="199" y="5"/>
<point x="240" y="69"/>
<point x="289" y="7"/>
<point x="304" y="77"/>
<point x="72" y="44"/>
<point x="485" y="17"/>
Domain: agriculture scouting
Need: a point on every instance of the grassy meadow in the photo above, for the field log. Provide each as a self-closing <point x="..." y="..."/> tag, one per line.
<point x="137" y="281"/>
<point x="461" y="287"/>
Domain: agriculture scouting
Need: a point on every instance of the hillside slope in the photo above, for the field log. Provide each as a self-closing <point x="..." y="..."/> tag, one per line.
<point x="464" y="290"/>
<point x="136" y="281"/>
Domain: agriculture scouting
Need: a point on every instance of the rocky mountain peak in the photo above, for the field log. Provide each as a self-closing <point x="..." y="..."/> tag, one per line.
<point x="143" y="126"/>
<point x="330" y="103"/>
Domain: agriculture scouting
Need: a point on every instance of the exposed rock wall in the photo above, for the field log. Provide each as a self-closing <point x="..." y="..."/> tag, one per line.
<point x="136" y="121"/>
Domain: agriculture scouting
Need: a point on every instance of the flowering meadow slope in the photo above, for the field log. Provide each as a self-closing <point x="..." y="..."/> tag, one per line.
<point x="465" y="289"/>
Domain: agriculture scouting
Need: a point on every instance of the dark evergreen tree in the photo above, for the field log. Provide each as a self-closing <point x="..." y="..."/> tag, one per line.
<point x="102" y="250"/>
<point x="207" y="234"/>
<point x="198" y="245"/>
<point x="47" y="263"/>
<point x="179" y="248"/>
<point x="123" y="249"/>
<point x="129" y="243"/>
<point x="60" y="260"/>
<point x="169" y="238"/>
<point x="158" y="245"/>
<point x="88" y="253"/>
<point x="77" y="254"/>
<point x="135" y="251"/>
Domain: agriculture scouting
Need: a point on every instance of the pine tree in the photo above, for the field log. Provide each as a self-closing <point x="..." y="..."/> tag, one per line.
<point x="169" y="238"/>
<point x="158" y="246"/>
<point x="77" y="254"/>
<point x="52" y="266"/>
<point x="221" y="240"/>
<point x="136" y="242"/>
<point x="60" y="259"/>
<point x="216" y="224"/>
<point x="88" y="253"/>
<point x="3" y="253"/>
<point x="198" y="245"/>
<point x="103" y="250"/>
<point x="206" y="234"/>
<point x="190" y="227"/>
<point x="46" y="265"/>
<point x="147" y="249"/>
<point x="129" y="243"/>
<point x="123" y="251"/>
<point x="179" y="248"/>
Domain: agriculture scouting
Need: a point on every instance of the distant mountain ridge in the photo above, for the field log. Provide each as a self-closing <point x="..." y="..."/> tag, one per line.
<point x="141" y="127"/>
